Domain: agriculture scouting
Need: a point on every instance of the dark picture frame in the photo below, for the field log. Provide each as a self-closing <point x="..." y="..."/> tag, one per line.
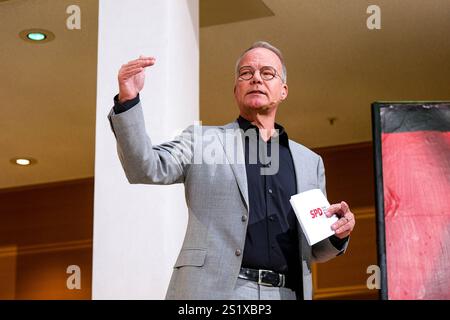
<point x="391" y="117"/>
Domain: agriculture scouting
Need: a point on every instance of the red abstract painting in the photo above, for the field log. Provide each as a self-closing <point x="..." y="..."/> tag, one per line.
<point x="416" y="174"/>
<point x="414" y="200"/>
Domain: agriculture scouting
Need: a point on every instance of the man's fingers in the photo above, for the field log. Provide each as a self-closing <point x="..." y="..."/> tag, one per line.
<point x="130" y="73"/>
<point x="333" y="209"/>
<point x="342" y="235"/>
<point x="340" y="227"/>
<point x="130" y="67"/>
<point x="345" y="229"/>
<point x="343" y="225"/>
<point x="142" y="60"/>
<point x="139" y="64"/>
<point x="131" y="70"/>
<point x="134" y="67"/>
<point x="340" y="209"/>
<point x="344" y="207"/>
<point x="339" y="224"/>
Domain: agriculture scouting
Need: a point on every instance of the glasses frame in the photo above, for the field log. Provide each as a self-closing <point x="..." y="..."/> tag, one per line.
<point x="253" y="70"/>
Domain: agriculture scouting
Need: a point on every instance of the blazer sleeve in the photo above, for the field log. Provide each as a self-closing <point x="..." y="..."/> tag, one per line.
<point x="166" y="163"/>
<point x="325" y="250"/>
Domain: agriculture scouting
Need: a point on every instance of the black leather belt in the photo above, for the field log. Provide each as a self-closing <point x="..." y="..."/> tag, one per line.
<point x="264" y="277"/>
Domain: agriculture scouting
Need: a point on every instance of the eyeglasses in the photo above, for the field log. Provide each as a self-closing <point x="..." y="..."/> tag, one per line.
<point x="266" y="73"/>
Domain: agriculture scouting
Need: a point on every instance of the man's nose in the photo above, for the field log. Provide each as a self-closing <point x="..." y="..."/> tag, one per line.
<point x="256" y="77"/>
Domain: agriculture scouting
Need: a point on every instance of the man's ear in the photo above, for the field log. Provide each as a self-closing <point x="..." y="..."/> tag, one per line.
<point x="284" y="91"/>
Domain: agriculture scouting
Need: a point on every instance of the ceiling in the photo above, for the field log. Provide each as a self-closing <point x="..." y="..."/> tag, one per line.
<point x="47" y="93"/>
<point x="336" y="69"/>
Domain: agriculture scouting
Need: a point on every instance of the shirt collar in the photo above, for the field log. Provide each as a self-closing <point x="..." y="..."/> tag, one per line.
<point x="244" y="124"/>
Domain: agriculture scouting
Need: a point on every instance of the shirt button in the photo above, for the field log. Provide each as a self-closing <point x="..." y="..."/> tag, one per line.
<point x="237" y="252"/>
<point x="271" y="218"/>
<point x="244" y="218"/>
<point x="270" y="190"/>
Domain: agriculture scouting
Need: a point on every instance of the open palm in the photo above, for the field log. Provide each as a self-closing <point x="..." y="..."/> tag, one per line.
<point x="131" y="77"/>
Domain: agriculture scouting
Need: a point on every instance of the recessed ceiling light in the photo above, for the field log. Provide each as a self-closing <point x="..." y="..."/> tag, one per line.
<point x="36" y="35"/>
<point x="22" y="161"/>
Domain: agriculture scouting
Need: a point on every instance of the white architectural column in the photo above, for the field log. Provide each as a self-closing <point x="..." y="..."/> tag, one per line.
<point x="138" y="229"/>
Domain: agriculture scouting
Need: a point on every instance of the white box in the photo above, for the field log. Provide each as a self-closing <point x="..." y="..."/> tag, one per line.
<point x="310" y="208"/>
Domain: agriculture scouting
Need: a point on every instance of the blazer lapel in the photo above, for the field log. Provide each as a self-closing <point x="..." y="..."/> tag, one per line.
<point x="300" y="170"/>
<point x="232" y="143"/>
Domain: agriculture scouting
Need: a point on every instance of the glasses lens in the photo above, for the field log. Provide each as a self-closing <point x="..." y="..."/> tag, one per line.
<point x="246" y="74"/>
<point x="267" y="73"/>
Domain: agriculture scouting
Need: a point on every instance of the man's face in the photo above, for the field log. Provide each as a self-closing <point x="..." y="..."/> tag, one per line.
<point x="258" y="94"/>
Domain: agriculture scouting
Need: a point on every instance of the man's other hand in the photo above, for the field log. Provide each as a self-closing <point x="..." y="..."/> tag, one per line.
<point x="344" y="226"/>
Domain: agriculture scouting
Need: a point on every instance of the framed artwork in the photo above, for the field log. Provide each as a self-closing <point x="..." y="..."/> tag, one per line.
<point x="412" y="177"/>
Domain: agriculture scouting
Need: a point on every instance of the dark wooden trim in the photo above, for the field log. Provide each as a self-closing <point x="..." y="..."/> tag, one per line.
<point x="47" y="185"/>
<point x="343" y="147"/>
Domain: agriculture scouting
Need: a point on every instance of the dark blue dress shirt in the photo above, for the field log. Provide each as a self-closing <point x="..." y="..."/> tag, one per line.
<point x="272" y="240"/>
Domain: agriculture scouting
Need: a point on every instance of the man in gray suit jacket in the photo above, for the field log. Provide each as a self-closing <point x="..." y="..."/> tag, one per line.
<point x="243" y="240"/>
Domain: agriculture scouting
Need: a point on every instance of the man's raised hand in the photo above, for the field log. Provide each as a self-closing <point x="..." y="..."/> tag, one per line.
<point x="131" y="77"/>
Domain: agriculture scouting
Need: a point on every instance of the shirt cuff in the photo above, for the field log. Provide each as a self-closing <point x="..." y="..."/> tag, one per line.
<point x="126" y="105"/>
<point x="338" y="243"/>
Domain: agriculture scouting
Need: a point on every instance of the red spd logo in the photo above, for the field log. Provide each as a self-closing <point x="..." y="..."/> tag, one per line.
<point x="317" y="212"/>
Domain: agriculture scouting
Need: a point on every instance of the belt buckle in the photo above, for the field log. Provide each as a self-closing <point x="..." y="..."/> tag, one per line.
<point x="281" y="279"/>
<point x="260" y="281"/>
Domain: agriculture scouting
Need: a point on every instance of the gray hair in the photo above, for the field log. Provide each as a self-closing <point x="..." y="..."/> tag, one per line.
<point x="265" y="45"/>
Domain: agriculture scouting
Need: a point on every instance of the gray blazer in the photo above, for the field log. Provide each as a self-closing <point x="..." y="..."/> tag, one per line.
<point x="217" y="199"/>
